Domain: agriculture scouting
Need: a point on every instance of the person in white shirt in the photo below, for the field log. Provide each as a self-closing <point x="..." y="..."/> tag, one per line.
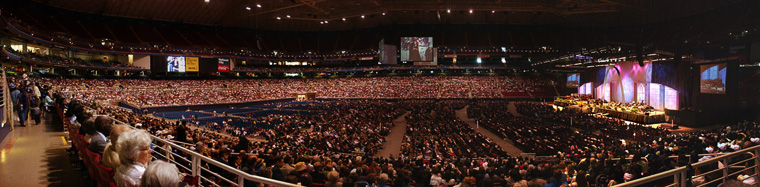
<point x="436" y="179"/>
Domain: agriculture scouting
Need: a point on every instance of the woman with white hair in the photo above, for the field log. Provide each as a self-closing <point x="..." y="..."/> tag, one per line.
<point x="161" y="174"/>
<point x="134" y="153"/>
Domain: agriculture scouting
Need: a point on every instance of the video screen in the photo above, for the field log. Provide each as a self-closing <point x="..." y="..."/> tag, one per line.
<point x="573" y="80"/>
<point x="417" y="49"/>
<point x="175" y="64"/>
<point x="713" y="78"/>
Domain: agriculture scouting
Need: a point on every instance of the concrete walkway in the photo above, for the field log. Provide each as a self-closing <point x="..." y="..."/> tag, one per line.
<point x="505" y="144"/>
<point x="35" y="155"/>
<point x="392" y="145"/>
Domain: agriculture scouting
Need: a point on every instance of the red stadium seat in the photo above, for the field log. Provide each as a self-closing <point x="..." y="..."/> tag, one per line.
<point x="106" y="174"/>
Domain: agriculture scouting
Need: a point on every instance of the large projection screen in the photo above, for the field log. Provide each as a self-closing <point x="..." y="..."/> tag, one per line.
<point x="417" y="49"/>
<point x="713" y="78"/>
<point x="175" y="64"/>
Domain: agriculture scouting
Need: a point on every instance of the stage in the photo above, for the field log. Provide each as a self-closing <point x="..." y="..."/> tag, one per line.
<point x="643" y="118"/>
<point x="654" y="116"/>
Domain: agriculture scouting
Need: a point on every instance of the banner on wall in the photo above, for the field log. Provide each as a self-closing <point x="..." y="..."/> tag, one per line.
<point x="224" y="65"/>
<point x="191" y="64"/>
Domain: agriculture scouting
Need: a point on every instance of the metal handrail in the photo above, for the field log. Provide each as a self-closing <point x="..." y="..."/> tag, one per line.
<point x="196" y="164"/>
<point x="680" y="172"/>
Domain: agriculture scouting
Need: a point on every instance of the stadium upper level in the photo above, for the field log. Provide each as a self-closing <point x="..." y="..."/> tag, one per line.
<point x="317" y="26"/>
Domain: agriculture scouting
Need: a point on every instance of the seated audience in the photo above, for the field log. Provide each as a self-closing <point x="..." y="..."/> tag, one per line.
<point x="135" y="153"/>
<point x="161" y="174"/>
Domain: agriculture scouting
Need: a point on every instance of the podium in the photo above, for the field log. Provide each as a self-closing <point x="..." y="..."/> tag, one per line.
<point x="305" y="96"/>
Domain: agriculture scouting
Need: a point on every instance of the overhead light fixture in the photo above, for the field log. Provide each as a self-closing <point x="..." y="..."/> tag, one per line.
<point x="248" y="8"/>
<point x="287" y="16"/>
<point x="278" y="18"/>
<point x="344" y="19"/>
<point x="258" y="5"/>
<point x="383" y="13"/>
<point x="321" y="22"/>
<point x="470" y="11"/>
<point x="448" y="10"/>
<point x="362" y="16"/>
<point x="326" y="21"/>
<point x="493" y="11"/>
<point x="207" y="1"/>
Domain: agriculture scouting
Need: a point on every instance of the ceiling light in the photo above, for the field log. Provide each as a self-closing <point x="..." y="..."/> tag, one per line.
<point x="287" y="16"/>
<point x="383" y="13"/>
<point x="278" y="18"/>
<point x="362" y="16"/>
<point x="448" y="10"/>
<point x="207" y="0"/>
<point x="321" y="22"/>
<point x="258" y="5"/>
<point x="248" y="8"/>
<point x="470" y="11"/>
<point x="493" y="11"/>
<point x="344" y="19"/>
<point x="326" y="21"/>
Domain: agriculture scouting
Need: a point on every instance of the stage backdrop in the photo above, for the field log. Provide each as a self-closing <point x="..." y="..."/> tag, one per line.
<point x="628" y="82"/>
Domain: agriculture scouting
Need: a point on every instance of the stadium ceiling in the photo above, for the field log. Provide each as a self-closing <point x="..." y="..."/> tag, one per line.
<point x="321" y="15"/>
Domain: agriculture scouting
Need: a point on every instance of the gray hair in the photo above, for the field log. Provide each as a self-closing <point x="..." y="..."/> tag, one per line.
<point x="160" y="173"/>
<point x="129" y="143"/>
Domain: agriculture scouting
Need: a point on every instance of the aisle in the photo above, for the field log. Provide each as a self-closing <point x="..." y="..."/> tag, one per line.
<point x="513" y="109"/>
<point x="392" y="145"/>
<point x="505" y="144"/>
<point x="36" y="155"/>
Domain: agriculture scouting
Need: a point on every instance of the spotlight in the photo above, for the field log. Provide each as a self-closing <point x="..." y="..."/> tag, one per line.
<point x="344" y="19"/>
<point x="288" y="16"/>
<point x="258" y="5"/>
<point x="248" y="8"/>
<point x="470" y="11"/>
<point x="278" y="18"/>
<point x="448" y="10"/>
<point x="326" y="21"/>
<point x="493" y="11"/>
<point x="362" y="16"/>
<point x="383" y="13"/>
<point x="207" y="1"/>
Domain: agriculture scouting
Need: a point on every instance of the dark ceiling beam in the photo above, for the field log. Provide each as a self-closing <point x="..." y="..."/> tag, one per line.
<point x="312" y="4"/>
<point x="623" y="4"/>
<point x="230" y="9"/>
<point x="282" y="8"/>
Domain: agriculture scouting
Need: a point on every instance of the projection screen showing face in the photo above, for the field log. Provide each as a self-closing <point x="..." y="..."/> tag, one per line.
<point x="417" y="49"/>
<point x="713" y="78"/>
<point x="175" y="64"/>
<point x="573" y="80"/>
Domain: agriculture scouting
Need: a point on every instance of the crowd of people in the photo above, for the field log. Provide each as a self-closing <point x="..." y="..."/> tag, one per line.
<point x="434" y="132"/>
<point x="336" y="146"/>
<point x="146" y="93"/>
